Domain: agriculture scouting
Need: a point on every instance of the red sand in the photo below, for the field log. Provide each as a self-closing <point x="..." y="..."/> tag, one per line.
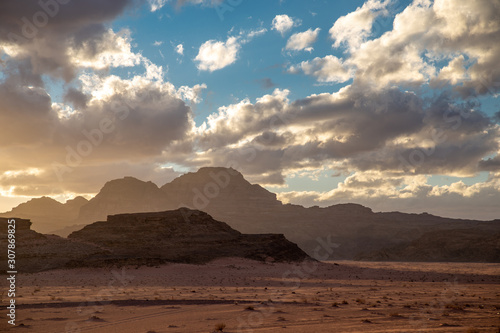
<point x="249" y="296"/>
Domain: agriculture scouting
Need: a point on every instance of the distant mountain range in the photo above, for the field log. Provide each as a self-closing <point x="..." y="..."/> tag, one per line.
<point x="345" y="231"/>
<point x="48" y="214"/>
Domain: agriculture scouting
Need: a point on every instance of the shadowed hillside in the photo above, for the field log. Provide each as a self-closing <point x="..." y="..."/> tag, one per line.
<point x="183" y="235"/>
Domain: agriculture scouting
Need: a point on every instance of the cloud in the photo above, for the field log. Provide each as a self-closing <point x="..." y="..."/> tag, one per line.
<point x="113" y="50"/>
<point x="256" y="33"/>
<point x="157" y="4"/>
<point x="424" y="35"/>
<point x="214" y="55"/>
<point x="179" y="49"/>
<point x="284" y="23"/>
<point x="58" y="40"/>
<point x="125" y="124"/>
<point x="192" y="94"/>
<point x="266" y="83"/>
<point x="408" y="194"/>
<point x="327" y="69"/>
<point x="303" y="40"/>
<point x="77" y="98"/>
<point x="353" y="28"/>
<point x="355" y="129"/>
<point x="211" y="3"/>
<point x="452" y="74"/>
<point x="426" y="32"/>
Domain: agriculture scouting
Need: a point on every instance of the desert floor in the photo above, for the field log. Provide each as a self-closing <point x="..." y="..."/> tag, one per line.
<point x="249" y="296"/>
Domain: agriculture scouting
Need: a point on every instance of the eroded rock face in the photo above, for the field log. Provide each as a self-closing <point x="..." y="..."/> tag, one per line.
<point x="181" y="235"/>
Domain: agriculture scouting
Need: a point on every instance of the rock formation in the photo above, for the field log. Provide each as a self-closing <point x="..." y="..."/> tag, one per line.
<point x="181" y="235"/>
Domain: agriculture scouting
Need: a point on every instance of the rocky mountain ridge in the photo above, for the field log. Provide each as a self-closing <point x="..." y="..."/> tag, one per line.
<point x="351" y="231"/>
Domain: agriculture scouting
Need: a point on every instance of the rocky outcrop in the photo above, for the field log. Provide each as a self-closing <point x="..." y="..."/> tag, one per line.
<point x="180" y="235"/>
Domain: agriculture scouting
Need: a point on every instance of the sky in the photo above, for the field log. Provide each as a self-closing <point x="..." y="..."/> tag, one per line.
<point x="390" y="104"/>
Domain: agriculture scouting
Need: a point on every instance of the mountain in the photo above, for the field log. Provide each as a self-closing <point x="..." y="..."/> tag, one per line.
<point x="47" y="213"/>
<point x="446" y="245"/>
<point x="344" y="231"/>
<point x="126" y="195"/>
<point x="225" y="194"/>
<point x="181" y="235"/>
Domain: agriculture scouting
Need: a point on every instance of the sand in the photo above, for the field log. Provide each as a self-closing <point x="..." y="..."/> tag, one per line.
<point x="249" y="296"/>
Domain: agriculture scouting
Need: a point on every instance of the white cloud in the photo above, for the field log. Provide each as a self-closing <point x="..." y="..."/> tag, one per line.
<point x="283" y="23"/>
<point x="355" y="27"/>
<point x="179" y="49"/>
<point x="192" y="94"/>
<point x="157" y="4"/>
<point x="454" y="73"/>
<point x="256" y="33"/>
<point x="303" y="40"/>
<point x="158" y="43"/>
<point x="423" y="34"/>
<point x="327" y="69"/>
<point x="116" y="51"/>
<point x="214" y="55"/>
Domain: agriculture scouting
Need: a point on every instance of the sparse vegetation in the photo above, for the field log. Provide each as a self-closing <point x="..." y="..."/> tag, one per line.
<point x="219" y="327"/>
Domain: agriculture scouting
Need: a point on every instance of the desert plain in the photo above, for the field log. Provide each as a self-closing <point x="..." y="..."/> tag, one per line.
<point x="241" y="295"/>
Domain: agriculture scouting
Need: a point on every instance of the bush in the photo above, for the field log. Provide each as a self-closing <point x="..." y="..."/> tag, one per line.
<point x="220" y="327"/>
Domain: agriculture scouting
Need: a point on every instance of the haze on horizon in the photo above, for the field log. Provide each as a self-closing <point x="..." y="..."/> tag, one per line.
<point x="390" y="104"/>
